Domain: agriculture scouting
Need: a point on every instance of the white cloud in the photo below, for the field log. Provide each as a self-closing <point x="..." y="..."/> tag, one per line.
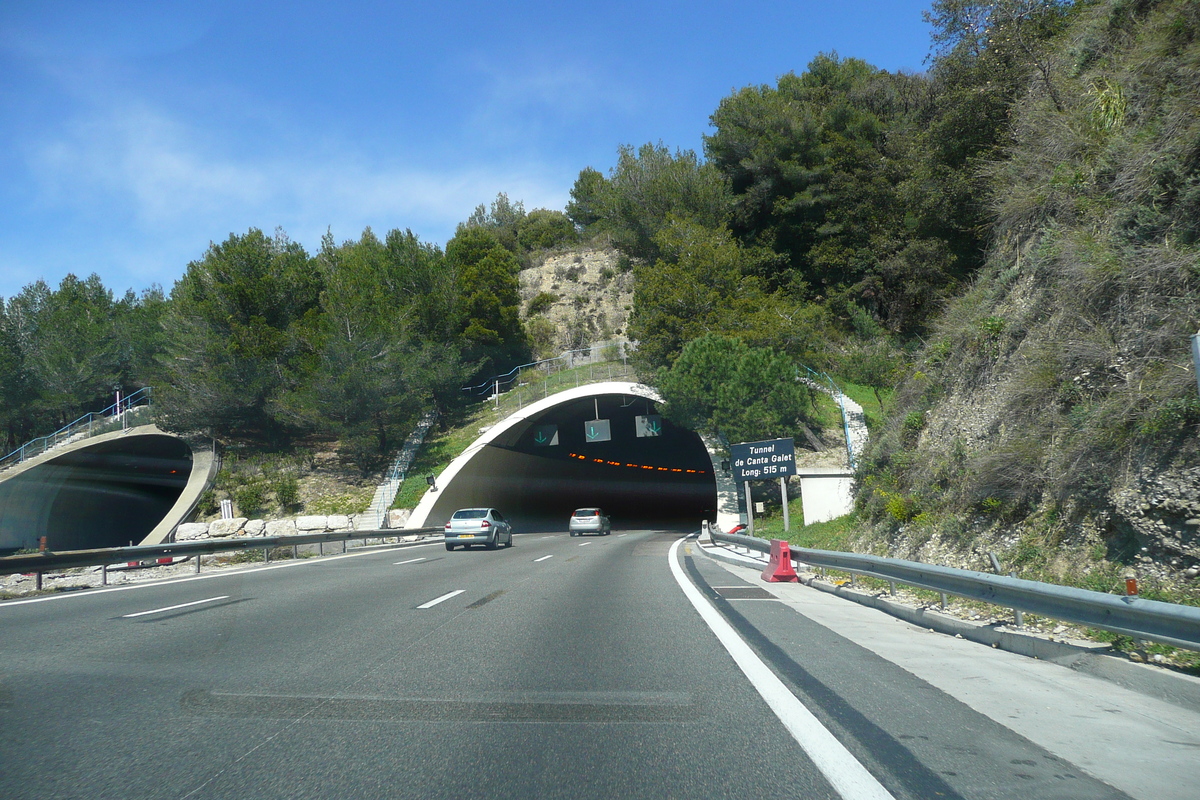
<point x="164" y="174"/>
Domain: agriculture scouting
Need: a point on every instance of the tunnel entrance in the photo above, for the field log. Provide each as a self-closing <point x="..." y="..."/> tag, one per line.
<point x="539" y="469"/>
<point x="108" y="494"/>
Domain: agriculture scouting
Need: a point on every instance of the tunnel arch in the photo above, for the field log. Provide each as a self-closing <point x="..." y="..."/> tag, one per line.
<point x="636" y="479"/>
<point x="110" y="490"/>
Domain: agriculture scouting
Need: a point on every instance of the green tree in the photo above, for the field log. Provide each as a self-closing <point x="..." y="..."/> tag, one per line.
<point x="648" y="187"/>
<point x="543" y="229"/>
<point x="237" y="319"/>
<point x="375" y="361"/>
<point x="585" y="208"/>
<point x="71" y="348"/>
<point x="489" y="298"/>
<point x="724" y="387"/>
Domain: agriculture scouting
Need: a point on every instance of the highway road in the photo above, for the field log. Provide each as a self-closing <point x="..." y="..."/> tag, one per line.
<point x="559" y="668"/>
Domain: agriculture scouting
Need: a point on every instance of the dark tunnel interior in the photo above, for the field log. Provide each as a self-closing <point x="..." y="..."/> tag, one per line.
<point x="105" y="495"/>
<point x="543" y="468"/>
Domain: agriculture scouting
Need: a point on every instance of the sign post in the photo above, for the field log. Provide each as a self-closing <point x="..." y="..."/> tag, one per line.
<point x="753" y="461"/>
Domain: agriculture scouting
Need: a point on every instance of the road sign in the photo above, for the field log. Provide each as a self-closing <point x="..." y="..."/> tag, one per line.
<point x="648" y="425"/>
<point x="596" y="430"/>
<point x="545" y="435"/>
<point x="753" y="461"/>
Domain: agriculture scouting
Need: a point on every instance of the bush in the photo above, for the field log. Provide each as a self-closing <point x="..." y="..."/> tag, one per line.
<point x="251" y="497"/>
<point x="542" y="303"/>
<point x="287" y="491"/>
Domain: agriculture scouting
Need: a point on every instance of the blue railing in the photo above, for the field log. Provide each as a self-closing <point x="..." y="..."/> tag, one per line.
<point x="90" y="424"/>
<point x="498" y="384"/>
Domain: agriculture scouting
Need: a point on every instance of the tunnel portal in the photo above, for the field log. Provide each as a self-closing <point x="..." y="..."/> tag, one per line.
<point x="554" y="459"/>
<point x="105" y="494"/>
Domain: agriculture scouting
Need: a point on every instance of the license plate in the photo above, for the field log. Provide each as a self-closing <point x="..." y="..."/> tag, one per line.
<point x="466" y="536"/>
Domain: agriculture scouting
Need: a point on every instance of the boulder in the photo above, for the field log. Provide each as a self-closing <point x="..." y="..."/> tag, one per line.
<point x="191" y="530"/>
<point x="398" y="517"/>
<point x="281" y="527"/>
<point x="255" y="527"/>
<point x="226" y="527"/>
<point x="311" y="524"/>
<point x="337" y="522"/>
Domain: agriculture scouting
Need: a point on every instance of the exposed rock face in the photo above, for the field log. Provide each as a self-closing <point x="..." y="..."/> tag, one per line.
<point x="1163" y="509"/>
<point x="593" y="298"/>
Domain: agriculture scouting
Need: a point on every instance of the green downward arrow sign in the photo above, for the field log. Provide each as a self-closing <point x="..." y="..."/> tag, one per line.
<point x="540" y="438"/>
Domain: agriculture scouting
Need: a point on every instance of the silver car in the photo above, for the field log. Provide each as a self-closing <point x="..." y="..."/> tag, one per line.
<point x="485" y="526"/>
<point x="589" y="520"/>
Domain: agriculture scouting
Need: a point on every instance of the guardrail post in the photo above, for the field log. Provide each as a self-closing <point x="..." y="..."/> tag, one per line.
<point x="266" y="555"/>
<point x="1018" y="615"/>
<point x="38" y="584"/>
<point x="104" y="574"/>
<point x="343" y="545"/>
<point x="197" y="563"/>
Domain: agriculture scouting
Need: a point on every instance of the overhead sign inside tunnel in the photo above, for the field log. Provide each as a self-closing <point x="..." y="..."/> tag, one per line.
<point x="648" y="425"/>
<point x="597" y="430"/>
<point x="545" y="435"/>
<point x="753" y="461"/>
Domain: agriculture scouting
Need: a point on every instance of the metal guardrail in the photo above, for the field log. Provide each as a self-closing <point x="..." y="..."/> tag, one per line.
<point x="567" y="360"/>
<point x="90" y="424"/>
<point x="39" y="563"/>
<point x="1168" y="623"/>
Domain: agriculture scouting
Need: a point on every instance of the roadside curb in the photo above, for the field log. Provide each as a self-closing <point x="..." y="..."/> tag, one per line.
<point x="1096" y="660"/>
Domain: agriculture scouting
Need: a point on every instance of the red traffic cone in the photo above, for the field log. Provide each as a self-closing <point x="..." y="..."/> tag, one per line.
<point x="779" y="568"/>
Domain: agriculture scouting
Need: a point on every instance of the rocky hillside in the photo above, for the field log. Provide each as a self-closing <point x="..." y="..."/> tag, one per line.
<point x="1053" y="417"/>
<point x="572" y="299"/>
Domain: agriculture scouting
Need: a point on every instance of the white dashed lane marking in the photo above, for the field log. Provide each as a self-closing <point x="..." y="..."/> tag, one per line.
<point x="172" y="608"/>
<point x="441" y="599"/>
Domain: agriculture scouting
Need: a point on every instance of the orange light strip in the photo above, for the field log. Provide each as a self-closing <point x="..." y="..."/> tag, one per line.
<point x="638" y="466"/>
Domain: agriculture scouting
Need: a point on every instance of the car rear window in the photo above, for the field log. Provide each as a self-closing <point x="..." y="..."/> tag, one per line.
<point x="587" y="512"/>
<point x="470" y="513"/>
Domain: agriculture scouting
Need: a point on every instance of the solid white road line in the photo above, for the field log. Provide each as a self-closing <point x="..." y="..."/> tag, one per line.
<point x="848" y="777"/>
<point x="584" y="544"/>
<point x="543" y="558"/>
<point x="410" y="561"/>
<point x="172" y="608"/>
<point x="443" y="598"/>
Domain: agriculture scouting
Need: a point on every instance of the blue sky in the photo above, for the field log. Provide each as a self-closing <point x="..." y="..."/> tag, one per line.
<point x="134" y="133"/>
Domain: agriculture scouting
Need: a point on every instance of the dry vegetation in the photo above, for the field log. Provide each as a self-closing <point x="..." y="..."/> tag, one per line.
<point x="1054" y="413"/>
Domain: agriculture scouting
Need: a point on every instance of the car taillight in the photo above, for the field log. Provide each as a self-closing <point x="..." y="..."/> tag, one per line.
<point x="447" y="526"/>
<point x="485" y="524"/>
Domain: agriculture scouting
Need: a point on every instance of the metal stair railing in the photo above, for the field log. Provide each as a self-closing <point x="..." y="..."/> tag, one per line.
<point x="90" y="424"/>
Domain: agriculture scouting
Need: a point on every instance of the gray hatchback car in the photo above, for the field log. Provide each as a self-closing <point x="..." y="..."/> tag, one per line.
<point x="485" y="526"/>
<point x="589" y="520"/>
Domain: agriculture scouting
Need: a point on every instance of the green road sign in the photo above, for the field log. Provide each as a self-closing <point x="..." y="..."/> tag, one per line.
<point x="597" y="430"/>
<point x="545" y="435"/>
<point x="648" y="425"/>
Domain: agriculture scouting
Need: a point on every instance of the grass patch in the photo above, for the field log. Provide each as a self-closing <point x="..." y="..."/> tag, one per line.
<point x="353" y="501"/>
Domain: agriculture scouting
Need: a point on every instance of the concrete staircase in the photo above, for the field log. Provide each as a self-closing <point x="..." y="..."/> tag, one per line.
<point x="375" y="517"/>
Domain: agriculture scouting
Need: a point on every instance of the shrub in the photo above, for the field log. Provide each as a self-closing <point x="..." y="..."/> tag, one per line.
<point x="251" y="497"/>
<point x="287" y="491"/>
<point x="542" y="303"/>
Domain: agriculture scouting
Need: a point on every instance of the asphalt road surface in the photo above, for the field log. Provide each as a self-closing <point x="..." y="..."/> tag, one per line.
<point x="559" y="668"/>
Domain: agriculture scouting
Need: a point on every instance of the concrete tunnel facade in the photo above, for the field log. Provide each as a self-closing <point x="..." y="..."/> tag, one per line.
<point x="537" y="481"/>
<point x="107" y="491"/>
